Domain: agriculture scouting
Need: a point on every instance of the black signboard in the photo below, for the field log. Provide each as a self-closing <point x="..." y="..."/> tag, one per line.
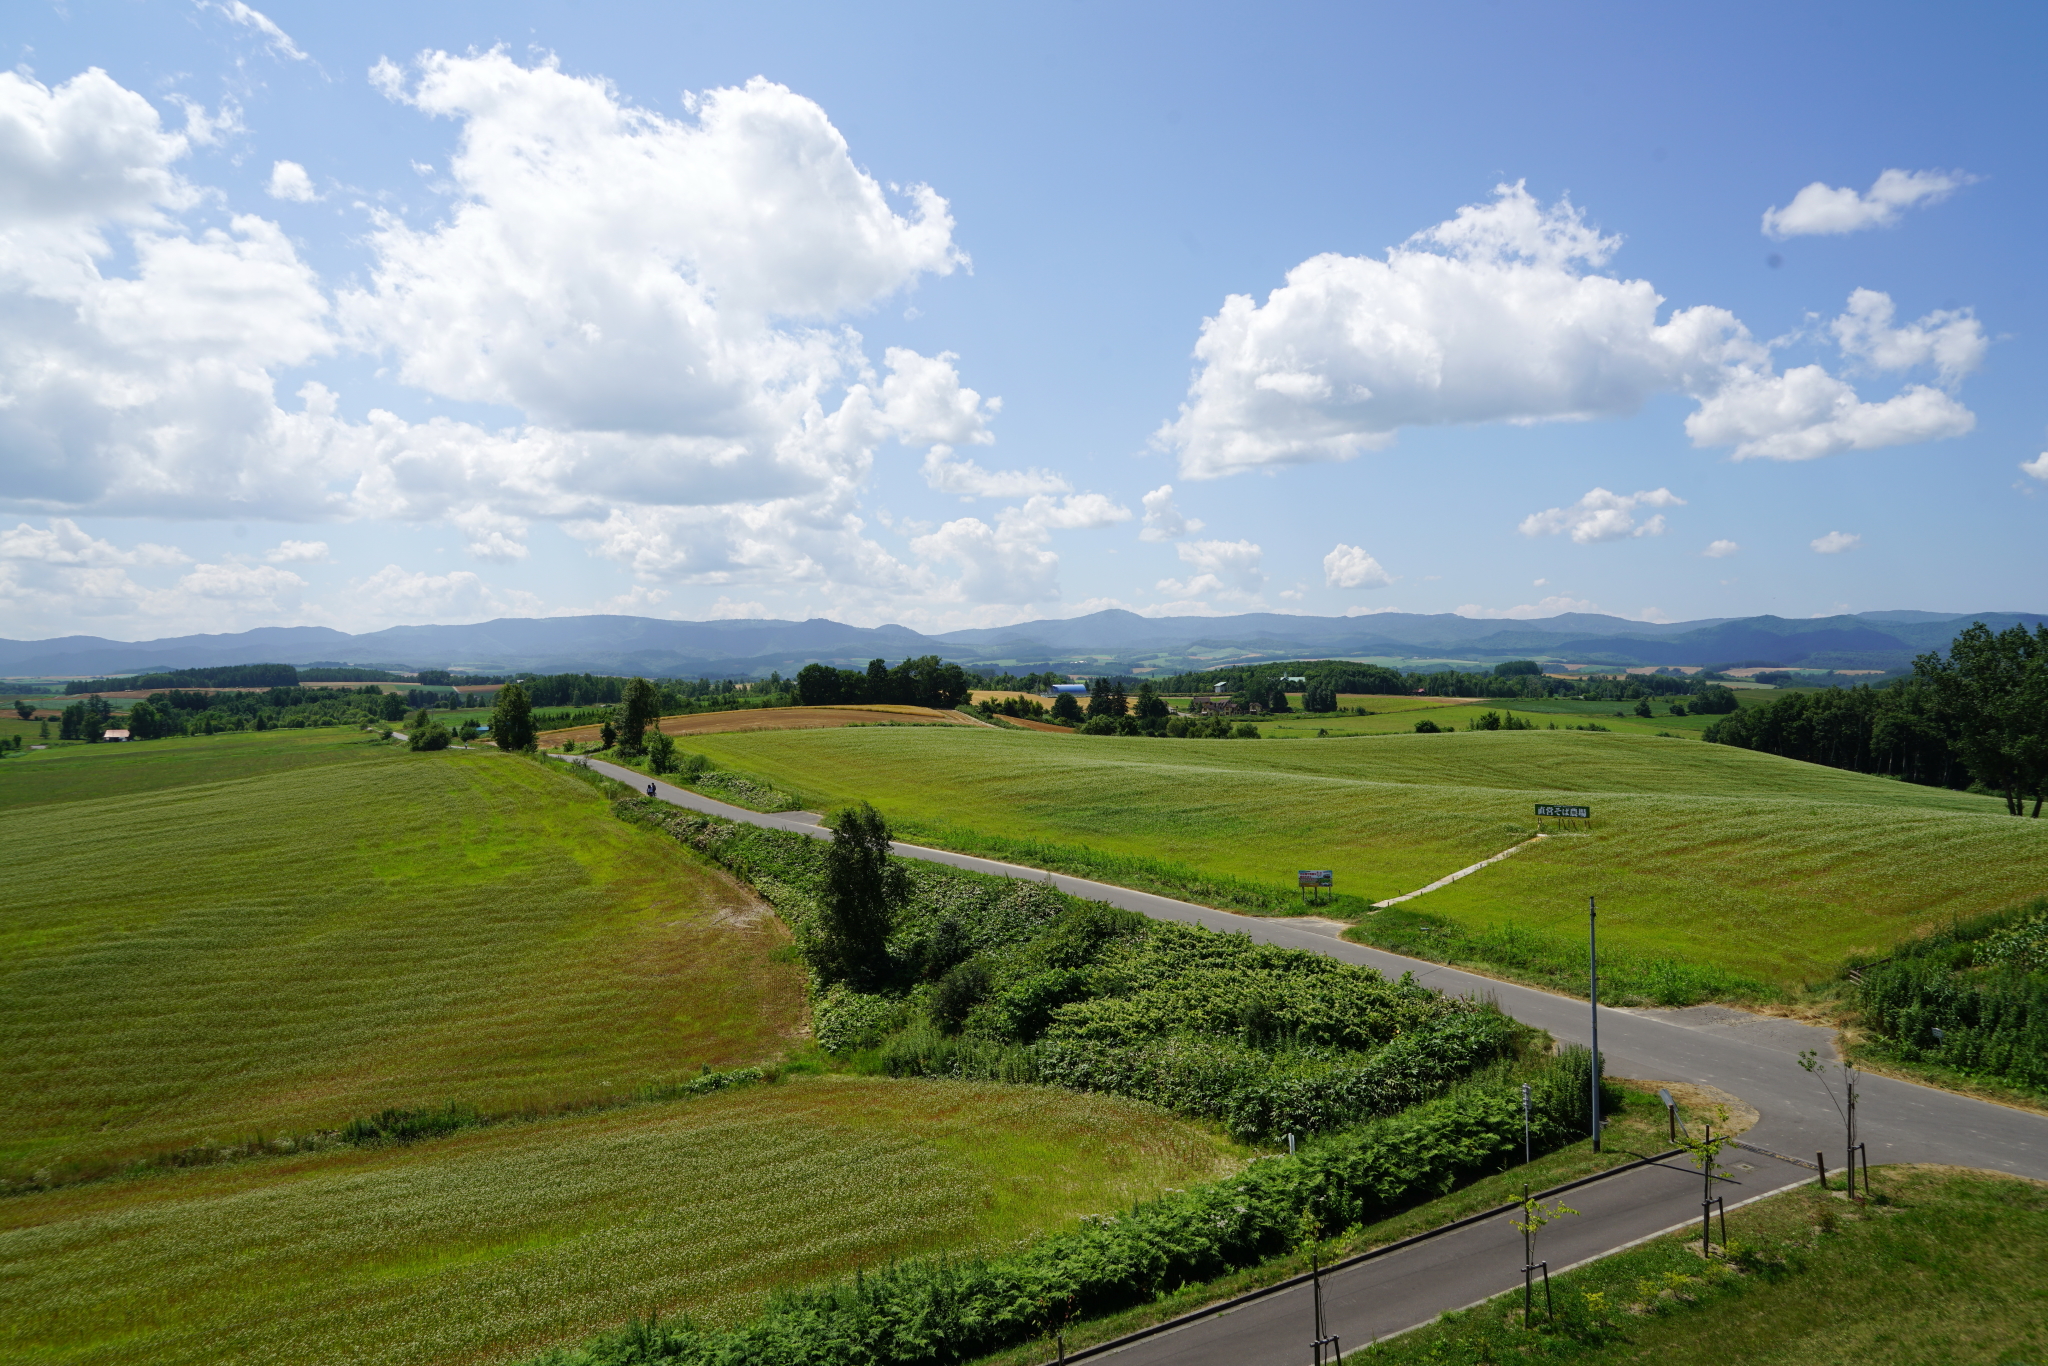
<point x="1569" y="813"/>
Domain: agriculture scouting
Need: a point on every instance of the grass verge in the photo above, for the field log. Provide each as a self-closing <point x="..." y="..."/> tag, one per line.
<point x="1547" y="959"/>
<point x="1943" y="1267"/>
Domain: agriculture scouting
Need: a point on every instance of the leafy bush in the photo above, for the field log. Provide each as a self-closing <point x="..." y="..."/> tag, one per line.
<point x="741" y="791"/>
<point x="1008" y="979"/>
<point x="1983" y="983"/>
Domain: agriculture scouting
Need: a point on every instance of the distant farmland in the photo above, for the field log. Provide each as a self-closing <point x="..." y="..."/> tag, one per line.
<point x="776" y="718"/>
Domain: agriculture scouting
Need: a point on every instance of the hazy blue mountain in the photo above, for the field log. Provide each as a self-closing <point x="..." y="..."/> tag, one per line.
<point x="1097" y="642"/>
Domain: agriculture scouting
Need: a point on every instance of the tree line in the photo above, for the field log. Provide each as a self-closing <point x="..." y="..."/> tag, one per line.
<point x="1975" y="717"/>
<point x="925" y="681"/>
<point x="226" y="676"/>
<point x="1259" y="684"/>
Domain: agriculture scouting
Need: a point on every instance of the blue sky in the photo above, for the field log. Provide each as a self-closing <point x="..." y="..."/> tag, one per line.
<point x="954" y="316"/>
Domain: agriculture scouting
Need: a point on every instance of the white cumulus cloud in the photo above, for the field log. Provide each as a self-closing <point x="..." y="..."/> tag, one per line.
<point x="1835" y="542"/>
<point x="1348" y="566"/>
<point x="1501" y="315"/>
<point x="298" y="552"/>
<point x="1720" y="550"/>
<point x="1821" y="209"/>
<point x="1546" y="607"/>
<point x="288" y="180"/>
<point x="1949" y="341"/>
<point x="2038" y="466"/>
<point x="660" y="301"/>
<point x="969" y="480"/>
<point x="1163" y="518"/>
<point x="1603" y="516"/>
<point x="1227" y="568"/>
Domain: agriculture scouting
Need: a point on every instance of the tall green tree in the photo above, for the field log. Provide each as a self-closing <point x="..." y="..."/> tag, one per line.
<point x="639" y="708"/>
<point x="512" y="719"/>
<point x="1991" y="697"/>
<point x="1150" y="705"/>
<point x="862" y="890"/>
<point x="24" y="710"/>
<point x="1066" y="708"/>
<point x="1106" y="698"/>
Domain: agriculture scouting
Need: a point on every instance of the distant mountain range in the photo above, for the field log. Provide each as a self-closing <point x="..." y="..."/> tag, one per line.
<point x="1112" y="641"/>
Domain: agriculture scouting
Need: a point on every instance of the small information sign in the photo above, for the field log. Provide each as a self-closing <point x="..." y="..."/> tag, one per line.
<point x="1568" y="813"/>
<point x="1321" y="878"/>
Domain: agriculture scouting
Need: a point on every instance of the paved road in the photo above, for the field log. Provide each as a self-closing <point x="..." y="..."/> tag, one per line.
<point x="1751" y="1056"/>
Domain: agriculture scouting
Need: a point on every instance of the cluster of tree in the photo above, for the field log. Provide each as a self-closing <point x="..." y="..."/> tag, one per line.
<point x="415" y="698"/>
<point x="184" y="712"/>
<point x="677" y="694"/>
<point x="442" y="678"/>
<point x="1977" y="715"/>
<point x="1019" y="707"/>
<point x="1007" y="682"/>
<point x="347" y="673"/>
<point x="226" y="676"/>
<point x="87" y="720"/>
<point x="1256" y="683"/>
<point x="926" y="681"/>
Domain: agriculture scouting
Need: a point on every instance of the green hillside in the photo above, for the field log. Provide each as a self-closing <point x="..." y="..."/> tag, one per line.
<point x="355" y="928"/>
<point x="1763" y="865"/>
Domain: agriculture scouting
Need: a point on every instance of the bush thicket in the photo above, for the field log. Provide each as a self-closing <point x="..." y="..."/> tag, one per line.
<point x="1982" y="983"/>
<point x="943" y="972"/>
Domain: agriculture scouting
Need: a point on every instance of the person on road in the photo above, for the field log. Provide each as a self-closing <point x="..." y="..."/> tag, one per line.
<point x="650" y="789"/>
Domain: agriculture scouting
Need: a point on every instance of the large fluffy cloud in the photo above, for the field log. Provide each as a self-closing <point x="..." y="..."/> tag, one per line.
<point x="1500" y="315"/>
<point x="659" y="306"/>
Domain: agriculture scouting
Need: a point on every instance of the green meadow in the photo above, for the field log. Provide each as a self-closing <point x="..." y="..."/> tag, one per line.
<point x="277" y="932"/>
<point x="262" y="935"/>
<point x="492" y="1244"/>
<point x="1765" y="866"/>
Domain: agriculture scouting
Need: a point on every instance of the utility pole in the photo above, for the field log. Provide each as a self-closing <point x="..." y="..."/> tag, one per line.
<point x="1593" y="955"/>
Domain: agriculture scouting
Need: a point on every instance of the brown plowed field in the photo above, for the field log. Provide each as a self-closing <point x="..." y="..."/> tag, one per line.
<point x="1028" y="724"/>
<point x="778" y="718"/>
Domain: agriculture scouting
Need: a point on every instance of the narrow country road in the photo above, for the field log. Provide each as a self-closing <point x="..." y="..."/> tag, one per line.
<point x="1751" y="1056"/>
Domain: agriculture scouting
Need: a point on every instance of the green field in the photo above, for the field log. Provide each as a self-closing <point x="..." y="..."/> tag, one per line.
<point x="1394" y="715"/>
<point x="270" y="934"/>
<point x="1764" y="865"/>
<point x="72" y="771"/>
<point x="492" y="1244"/>
<point x="351" y="927"/>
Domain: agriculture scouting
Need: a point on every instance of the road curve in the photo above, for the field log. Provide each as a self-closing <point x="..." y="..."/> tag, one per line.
<point x="1751" y="1056"/>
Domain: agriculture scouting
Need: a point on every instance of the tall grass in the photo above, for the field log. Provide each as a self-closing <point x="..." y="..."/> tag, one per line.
<point x="491" y="1244"/>
<point x="1627" y="977"/>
